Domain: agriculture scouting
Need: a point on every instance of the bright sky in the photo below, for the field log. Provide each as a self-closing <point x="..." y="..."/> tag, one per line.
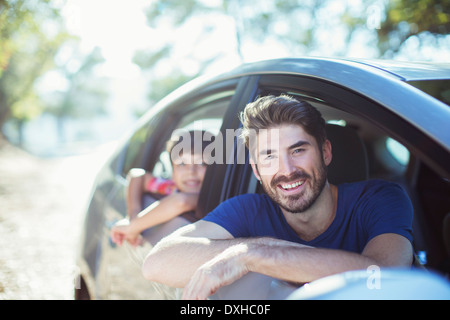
<point x="118" y="27"/>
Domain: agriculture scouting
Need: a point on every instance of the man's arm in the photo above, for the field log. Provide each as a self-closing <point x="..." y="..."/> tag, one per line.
<point x="293" y="262"/>
<point x="204" y="257"/>
<point x="176" y="257"/>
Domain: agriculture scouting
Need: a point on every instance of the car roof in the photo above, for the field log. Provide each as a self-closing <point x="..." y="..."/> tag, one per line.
<point x="381" y="81"/>
<point x="412" y="71"/>
<point x="322" y="67"/>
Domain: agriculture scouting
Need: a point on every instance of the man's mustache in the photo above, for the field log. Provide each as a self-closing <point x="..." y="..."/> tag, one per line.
<point x="297" y="175"/>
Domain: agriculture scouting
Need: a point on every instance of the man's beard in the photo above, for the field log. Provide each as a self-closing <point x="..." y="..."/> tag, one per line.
<point x="306" y="198"/>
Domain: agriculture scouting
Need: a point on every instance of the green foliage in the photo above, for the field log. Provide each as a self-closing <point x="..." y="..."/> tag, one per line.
<point x="301" y="27"/>
<point x="31" y="33"/>
<point x="406" y="18"/>
<point x="85" y="96"/>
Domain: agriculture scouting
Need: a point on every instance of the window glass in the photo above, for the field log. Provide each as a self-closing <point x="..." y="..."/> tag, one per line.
<point x="397" y="151"/>
<point x="440" y="89"/>
<point x="135" y="147"/>
<point x="386" y="157"/>
<point x="206" y="114"/>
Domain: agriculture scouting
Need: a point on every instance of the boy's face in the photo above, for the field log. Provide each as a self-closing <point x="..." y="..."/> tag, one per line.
<point x="188" y="172"/>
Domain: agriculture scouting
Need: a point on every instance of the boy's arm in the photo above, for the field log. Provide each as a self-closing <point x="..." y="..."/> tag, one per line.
<point x="137" y="180"/>
<point x="164" y="210"/>
<point x="157" y="213"/>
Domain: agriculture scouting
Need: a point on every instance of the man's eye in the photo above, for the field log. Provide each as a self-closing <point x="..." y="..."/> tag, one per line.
<point x="299" y="150"/>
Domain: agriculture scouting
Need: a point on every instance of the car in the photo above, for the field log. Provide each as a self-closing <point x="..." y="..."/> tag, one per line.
<point x="386" y="120"/>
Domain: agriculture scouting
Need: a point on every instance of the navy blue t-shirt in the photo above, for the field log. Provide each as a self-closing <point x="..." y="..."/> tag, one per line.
<point x="365" y="210"/>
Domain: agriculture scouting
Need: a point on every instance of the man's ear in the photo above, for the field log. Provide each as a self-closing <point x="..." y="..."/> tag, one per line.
<point x="255" y="169"/>
<point x="327" y="152"/>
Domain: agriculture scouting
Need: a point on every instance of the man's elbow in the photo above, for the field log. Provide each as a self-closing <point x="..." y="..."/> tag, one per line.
<point x="156" y="267"/>
<point x="150" y="267"/>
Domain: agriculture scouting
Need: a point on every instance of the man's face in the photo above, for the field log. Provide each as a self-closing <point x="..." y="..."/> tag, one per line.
<point x="291" y="166"/>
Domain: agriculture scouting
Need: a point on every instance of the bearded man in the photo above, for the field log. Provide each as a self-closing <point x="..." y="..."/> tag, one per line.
<point x="303" y="228"/>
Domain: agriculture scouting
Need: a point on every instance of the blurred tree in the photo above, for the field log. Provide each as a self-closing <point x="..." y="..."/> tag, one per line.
<point x="409" y="18"/>
<point x="358" y="28"/>
<point x="30" y="34"/>
<point x="378" y="28"/>
<point x="291" y="25"/>
<point x="84" y="95"/>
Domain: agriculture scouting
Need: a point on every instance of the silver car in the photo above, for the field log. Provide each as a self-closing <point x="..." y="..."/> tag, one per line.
<point x="388" y="120"/>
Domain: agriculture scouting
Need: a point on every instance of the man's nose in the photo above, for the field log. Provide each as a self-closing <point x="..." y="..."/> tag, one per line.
<point x="286" y="165"/>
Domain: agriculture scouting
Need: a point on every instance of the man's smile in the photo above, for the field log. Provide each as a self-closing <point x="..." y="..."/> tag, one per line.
<point x="291" y="186"/>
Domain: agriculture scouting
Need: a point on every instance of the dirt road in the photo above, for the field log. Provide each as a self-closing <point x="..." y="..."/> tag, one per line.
<point x="41" y="206"/>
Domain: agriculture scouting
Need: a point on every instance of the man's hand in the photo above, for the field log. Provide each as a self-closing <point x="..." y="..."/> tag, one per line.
<point x="222" y="270"/>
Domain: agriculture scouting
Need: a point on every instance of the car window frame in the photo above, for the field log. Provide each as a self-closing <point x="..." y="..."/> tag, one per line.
<point x="175" y="112"/>
<point x="239" y="179"/>
<point x="212" y="194"/>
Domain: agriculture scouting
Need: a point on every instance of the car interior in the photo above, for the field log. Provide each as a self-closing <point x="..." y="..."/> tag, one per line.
<point x="195" y="117"/>
<point x="361" y="150"/>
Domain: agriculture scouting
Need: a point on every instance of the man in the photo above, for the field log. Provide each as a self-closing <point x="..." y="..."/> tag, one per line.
<point x="302" y="229"/>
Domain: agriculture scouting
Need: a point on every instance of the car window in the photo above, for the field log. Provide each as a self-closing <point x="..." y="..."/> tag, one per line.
<point x="135" y="148"/>
<point x="440" y="89"/>
<point x="386" y="157"/>
<point x="205" y="114"/>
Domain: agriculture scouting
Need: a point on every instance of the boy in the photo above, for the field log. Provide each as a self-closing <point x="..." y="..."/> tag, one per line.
<point x="180" y="194"/>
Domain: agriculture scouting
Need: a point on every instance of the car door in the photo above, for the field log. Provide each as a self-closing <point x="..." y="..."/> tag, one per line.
<point x="388" y="148"/>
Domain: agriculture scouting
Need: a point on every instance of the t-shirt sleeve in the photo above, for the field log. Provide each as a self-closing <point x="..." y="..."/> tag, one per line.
<point x="160" y="185"/>
<point x="388" y="209"/>
<point x="234" y="215"/>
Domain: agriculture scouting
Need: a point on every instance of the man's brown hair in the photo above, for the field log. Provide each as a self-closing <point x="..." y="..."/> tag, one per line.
<point x="269" y="111"/>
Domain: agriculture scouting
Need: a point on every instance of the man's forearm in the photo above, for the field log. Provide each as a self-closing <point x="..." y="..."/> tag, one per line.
<point x="282" y="260"/>
<point x="302" y="264"/>
<point x="174" y="260"/>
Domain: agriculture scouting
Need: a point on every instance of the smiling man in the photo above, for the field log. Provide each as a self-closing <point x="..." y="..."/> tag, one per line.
<point x="302" y="228"/>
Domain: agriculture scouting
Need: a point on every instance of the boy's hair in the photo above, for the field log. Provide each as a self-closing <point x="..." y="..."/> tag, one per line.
<point x="270" y="111"/>
<point x="194" y="140"/>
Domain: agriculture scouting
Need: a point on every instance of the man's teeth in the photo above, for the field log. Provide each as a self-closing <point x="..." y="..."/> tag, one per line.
<point x="293" y="185"/>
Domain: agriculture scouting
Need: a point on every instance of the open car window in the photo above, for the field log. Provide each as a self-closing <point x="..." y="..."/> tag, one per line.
<point x="205" y="115"/>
